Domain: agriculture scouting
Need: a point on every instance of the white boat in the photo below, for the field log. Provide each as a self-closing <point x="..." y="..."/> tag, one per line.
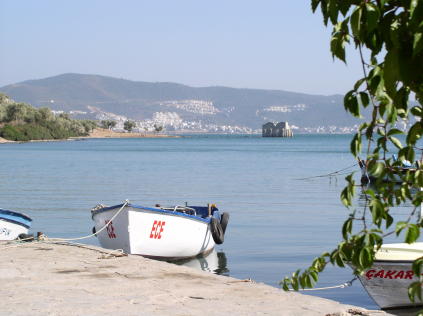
<point x="13" y="224"/>
<point x="160" y="232"/>
<point x="388" y="280"/>
<point x="368" y="177"/>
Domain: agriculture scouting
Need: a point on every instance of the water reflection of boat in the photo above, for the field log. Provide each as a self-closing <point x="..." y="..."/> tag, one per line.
<point x="214" y="262"/>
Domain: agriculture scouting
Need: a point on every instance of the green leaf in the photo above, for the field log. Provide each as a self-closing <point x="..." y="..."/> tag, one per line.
<point x="389" y="220"/>
<point x="396" y="142"/>
<point x="391" y="71"/>
<point x="347" y="228"/>
<point x="355" y="145"/>
<point x="365" y="258"/>
<point x="377" y="168"/>
<point x="377" y="210"/>
<point x="375" y="80"/>
<point x="351" y="104"/>
<point x="333" y="11"/>
<point x="339" y="261"/>
<point x="359" y="83"/>
<point x="417" y="266"/>
<point x="314" y="275"/>
<point x="412" y="233"/>
<point x="417" y="111"/>
<point x="364" y="98"/>
<point x="314" y="4"/>
<point x="355" y="22"/>
<point x="372" y="16"/>
<point x="414" y="133"/>
<point x="337" y="46"/>
<point x="400" y="227"/>
<point x="346" y="197"/>
<point x="394" y="131"/>
<point x="417" y="43"/>
<point x="415" y="289"/>
<point x="416" y="12"/>
<point x="344" y="7"/>
<point x="406" y="153"/>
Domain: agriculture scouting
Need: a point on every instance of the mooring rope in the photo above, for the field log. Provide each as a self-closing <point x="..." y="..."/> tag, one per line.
<point x="343" y="285"/>
<point x="45" y="239"/>
<point x="108" y="252"/>
<point x="94" y="234"/>
<point x="331" y="174"/>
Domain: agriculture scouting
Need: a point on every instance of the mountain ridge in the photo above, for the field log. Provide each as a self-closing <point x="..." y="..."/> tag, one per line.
<point x="212" y="105"/>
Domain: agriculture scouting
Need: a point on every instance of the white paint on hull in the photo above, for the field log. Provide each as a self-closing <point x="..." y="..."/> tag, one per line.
<point x="11" y="231"/>
<point x="154" y="234"/>
<point x="388" y="280"/>
<point x="387" y="283"/>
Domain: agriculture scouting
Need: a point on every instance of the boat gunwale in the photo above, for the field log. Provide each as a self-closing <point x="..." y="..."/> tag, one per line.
<point x="394" y="261"/>
<point x="151" y="210"/>
<point x="9" y="212"/>
<point x="14" y="222"/>
<point x="20" y="219"/>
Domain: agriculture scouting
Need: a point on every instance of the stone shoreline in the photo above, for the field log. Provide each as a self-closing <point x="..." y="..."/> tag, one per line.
<point x="45" y="278"/>
<point x="97" y="133"/>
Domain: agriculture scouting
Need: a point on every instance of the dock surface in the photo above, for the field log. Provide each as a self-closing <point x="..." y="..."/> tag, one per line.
<point x="43" y="278"/>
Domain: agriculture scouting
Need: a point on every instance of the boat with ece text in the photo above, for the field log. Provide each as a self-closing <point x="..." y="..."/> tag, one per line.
<point x="175" y="232"/>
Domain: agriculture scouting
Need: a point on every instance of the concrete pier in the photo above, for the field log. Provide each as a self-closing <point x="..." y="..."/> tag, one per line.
<point x="42" y="278"/>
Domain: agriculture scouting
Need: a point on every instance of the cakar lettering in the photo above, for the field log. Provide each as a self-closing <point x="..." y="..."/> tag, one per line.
<point x="389" y="274"/>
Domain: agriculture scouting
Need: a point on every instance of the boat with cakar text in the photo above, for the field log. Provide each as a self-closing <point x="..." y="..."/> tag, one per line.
<point x="387" y="281"/>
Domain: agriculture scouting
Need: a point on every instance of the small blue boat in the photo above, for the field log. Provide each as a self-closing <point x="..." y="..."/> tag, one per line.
<point x="12" y="224"/>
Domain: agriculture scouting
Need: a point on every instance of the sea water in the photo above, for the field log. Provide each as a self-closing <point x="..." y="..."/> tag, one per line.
<point x="281" y="215"/>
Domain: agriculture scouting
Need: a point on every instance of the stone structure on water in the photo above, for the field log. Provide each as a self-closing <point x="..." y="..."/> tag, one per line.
<point x="281" y="129"/>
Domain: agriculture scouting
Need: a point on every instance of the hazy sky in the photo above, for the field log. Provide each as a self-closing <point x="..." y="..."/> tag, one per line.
<point x="272" y="44"/>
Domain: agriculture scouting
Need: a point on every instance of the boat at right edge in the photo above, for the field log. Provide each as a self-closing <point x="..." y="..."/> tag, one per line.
<point x="396" y="177"/>
<point x="387" y="281"/>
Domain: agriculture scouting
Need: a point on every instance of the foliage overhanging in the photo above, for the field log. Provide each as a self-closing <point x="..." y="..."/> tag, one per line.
<point x="389" y="37"/>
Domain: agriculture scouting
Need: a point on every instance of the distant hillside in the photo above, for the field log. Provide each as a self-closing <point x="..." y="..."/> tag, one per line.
<point x="211" y="105"/>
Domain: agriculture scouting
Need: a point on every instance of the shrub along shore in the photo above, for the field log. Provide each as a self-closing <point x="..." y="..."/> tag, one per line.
<point x="22" y="122"/>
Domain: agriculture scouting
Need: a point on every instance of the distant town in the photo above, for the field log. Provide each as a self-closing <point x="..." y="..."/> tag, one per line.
<point x="172" y="122"/>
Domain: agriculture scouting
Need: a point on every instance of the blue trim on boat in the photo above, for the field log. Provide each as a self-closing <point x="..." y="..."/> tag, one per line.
<point x="154" y="210"/>
<point x="15" y="217"/>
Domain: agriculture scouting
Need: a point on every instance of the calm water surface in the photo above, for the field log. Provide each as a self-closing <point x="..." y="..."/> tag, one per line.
<point x="278" y="223"/>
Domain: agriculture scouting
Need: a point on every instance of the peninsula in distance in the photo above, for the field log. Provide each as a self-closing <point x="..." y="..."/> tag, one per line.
<point x="181" y="108"/>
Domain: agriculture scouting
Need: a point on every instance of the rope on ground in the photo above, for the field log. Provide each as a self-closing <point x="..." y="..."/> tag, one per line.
<point x="19" y="242"/>
<point x="331" y="174"/>
<point x="94" y="234"/>
<point x="42" y="238"/>
<point x="107" y="253"/>
<point x="343" y="285"/>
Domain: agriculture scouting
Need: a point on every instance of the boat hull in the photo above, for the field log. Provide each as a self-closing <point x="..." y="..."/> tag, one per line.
<point x="153" y="232"/>
<point x="12" y="224"/>
<point x="387" y="283"/>
<point x="367" y="177"/>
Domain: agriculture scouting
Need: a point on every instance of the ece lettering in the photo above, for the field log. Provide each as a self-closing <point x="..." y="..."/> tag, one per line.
<point x="157" y="229"/>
